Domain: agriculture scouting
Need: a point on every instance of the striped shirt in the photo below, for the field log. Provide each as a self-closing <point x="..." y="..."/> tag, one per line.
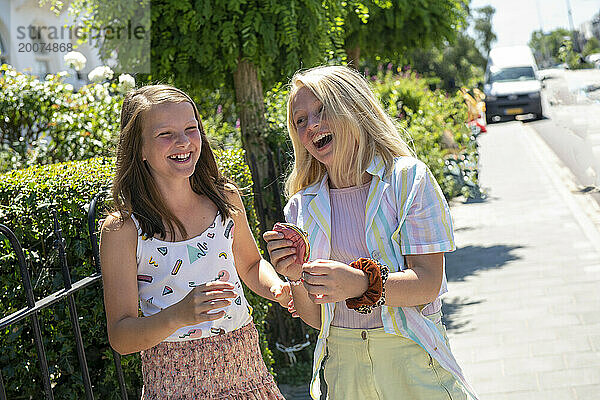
<point x="406" y="213"/>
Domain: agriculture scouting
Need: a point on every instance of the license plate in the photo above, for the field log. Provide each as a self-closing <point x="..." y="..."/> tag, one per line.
<point x="513" y="111"/>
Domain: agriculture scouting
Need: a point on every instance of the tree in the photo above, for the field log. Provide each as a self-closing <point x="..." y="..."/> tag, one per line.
<point x="387" y="29"/>
<point x="591" y="46"/>
<point x="461" y="62"/>
<point x="546" y="46"/>
<point x="456" y="65"/>
<point x="483" y="28"/>
<point x="244" y="47"/>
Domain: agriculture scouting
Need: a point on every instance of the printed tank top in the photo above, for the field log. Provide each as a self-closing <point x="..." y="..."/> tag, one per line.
<point x="168" y="271"/>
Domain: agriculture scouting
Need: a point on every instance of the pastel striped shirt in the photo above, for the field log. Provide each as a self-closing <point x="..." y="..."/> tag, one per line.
<point x="405" y="213"/>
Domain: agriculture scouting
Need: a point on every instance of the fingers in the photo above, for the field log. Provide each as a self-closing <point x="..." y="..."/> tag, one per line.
<point x="320" y="298"/>
<point x="215" y="295"/>
<point x="214" y="286"/>
<point x="212" y="316"/>
<point x="279" y="254"/>
<point x="317" y="267"/>
<point x="316" y="289"/>
<point x="292" y="309"/>
<point x="281" y="289"/>
<point x="317" y="280"/>
<point x="272" y="235"/>
<point x="215" y="304"/>
<point x="287" y="266"/>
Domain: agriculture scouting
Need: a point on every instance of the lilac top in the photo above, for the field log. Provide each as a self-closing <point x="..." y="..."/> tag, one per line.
<point x="348" y="243"/>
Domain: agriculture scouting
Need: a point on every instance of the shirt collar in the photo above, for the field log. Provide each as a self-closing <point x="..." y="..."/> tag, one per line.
<point x="376" y="168"/>
<point x="317" y="186"/>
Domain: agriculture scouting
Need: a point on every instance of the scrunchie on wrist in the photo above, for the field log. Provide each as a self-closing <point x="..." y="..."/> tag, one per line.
<point x="377" y="274"/>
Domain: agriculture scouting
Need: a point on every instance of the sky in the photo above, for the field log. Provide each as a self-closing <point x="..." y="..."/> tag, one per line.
<point x="514" y="20"/>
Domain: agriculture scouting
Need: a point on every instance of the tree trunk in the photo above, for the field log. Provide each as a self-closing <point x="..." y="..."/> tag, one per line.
<point x="251" y="110"/>
<point x="353" y="56"/>
<point x="263" y="162"/>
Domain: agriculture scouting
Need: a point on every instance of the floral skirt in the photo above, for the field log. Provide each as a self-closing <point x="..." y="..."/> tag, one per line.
<point x="228" y="366"/>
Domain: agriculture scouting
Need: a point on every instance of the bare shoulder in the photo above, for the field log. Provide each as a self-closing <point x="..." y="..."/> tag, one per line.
<point x="118" y="229"/>
<point x="233" y="195"/>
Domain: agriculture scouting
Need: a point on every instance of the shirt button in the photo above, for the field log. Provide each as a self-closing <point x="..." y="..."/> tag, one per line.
<point x="363" y="334"/>
<point x="375" y="255"/>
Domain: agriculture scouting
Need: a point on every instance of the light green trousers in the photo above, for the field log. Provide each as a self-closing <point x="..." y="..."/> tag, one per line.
<point x="370" y="364"/>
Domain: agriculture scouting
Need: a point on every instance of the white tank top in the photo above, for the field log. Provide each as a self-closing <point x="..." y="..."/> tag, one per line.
<point x="168" y="271"/>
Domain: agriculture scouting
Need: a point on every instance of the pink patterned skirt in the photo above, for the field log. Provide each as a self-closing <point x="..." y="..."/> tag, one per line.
<point x="228" y="366"/>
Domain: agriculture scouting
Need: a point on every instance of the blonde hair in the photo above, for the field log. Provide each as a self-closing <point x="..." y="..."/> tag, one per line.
<point x="361" y="127"/>
<point x="134" y="189"/>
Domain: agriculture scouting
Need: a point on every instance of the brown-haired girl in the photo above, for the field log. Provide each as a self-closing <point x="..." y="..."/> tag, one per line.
<point x="172" y="257"/>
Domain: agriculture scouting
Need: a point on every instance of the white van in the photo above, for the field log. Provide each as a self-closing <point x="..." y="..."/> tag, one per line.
<point x="511" y="84"/>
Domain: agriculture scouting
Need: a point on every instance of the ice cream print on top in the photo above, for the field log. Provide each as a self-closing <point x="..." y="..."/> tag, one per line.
<point x="168" y="271"/>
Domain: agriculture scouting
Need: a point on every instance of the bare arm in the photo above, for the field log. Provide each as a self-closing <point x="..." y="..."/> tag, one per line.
<point x="127" y="332"/>
<point x="417" y="285"/>
<point x="255" y="271"/>
<point x="329" y="281"/>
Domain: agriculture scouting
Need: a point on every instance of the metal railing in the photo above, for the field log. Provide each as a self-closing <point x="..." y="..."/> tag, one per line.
<point x="67" y="294"/>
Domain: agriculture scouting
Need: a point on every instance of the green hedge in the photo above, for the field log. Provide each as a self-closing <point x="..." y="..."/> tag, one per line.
<point x="434" y="124"/>
<point x="27" y="197"/>
<point x="46" y="121"/>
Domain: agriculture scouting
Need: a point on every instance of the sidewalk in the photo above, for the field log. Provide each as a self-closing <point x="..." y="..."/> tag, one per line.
<point x="522" y="310"/>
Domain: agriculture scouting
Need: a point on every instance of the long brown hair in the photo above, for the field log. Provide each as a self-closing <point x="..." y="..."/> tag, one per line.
<point x="134" y="189"/>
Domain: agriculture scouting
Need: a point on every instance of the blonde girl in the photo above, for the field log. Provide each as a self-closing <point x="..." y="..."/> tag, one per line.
<point x="358" y="193"/>
<point x="172" y="257"/>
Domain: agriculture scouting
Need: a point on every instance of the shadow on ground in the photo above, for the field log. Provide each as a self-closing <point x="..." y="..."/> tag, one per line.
<point x="469" y="259"/>
<point x="450" y="310"/>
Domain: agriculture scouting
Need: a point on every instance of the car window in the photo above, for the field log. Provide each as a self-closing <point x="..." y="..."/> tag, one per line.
<point x="512" y="74"/>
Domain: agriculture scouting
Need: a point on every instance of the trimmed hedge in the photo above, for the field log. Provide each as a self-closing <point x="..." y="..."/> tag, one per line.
<point x="46" y="121"/>
<point x="27" y="197"/>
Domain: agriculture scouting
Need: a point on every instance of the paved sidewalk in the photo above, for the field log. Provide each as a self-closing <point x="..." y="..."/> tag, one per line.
<point x="522" y="310"/>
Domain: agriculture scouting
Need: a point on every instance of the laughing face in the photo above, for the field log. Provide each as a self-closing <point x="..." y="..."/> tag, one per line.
<point x="312" y="127"/>
<point x="171" y="140"/>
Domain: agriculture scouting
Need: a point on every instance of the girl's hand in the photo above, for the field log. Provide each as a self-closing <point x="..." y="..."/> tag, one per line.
<point x="283" y="255"/>
<point x="196" y="306"/>
<point x="282" y="292"/>
<point x="283" y="295"/>
<point x="329" y="281"/>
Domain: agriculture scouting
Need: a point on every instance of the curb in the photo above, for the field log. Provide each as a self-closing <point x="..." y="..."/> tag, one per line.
<point x="583" y="206"/>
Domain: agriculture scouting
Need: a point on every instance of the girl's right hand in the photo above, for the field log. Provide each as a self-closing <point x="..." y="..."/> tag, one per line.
<point x="196" y="306"/>
<point x="283" y="255"/>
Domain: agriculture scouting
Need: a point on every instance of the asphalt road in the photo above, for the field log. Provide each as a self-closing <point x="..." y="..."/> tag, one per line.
<point x="571" y="123"/>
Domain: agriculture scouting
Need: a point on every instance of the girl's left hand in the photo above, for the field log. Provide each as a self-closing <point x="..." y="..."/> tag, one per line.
<point x="329" y="281"/>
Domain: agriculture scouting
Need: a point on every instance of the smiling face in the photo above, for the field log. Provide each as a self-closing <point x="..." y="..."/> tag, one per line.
<point x="171" y="140"/>
<point x="312" y="127"/>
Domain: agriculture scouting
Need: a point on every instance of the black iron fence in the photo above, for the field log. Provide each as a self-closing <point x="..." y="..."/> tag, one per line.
<point x="33" y="307"/>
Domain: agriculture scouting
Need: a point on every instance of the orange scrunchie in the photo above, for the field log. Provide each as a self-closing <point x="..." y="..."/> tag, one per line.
<point x="375" y="289"/>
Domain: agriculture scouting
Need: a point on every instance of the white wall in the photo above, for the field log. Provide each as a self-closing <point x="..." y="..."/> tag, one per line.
<point x="16" y="16"/>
